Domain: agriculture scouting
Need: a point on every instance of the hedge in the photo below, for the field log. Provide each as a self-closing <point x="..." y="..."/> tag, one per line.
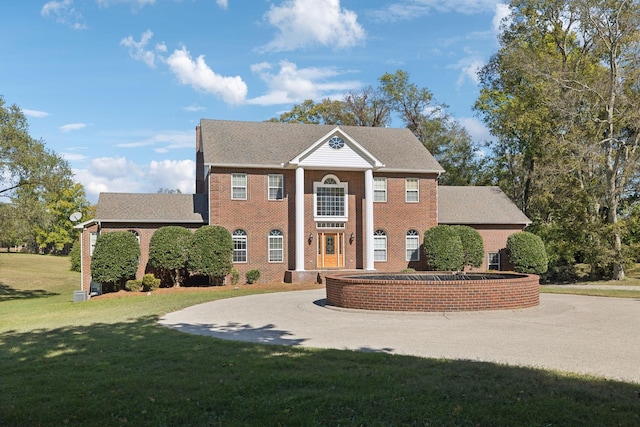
<point x="211" y="253"/>
<point x="115" y="259"/>
<point x="472" y="245"/>
<point x="168" y="252"/>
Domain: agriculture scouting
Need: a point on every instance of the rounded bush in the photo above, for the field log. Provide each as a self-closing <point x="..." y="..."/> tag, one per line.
<point x="150" y="283"/>
<point x="115" y="258"/>
<point x="472" y="245"/>
<point x="211" y="252"/>
<point x="252" y="276"/>
<point x="168" y="252"/>
<point x="133" y="285"/>
<point x="443" y="248"/>
<point x="526" y="253"/>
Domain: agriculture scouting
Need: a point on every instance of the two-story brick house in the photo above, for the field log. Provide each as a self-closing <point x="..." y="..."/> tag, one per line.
<point x="302" y="199"/>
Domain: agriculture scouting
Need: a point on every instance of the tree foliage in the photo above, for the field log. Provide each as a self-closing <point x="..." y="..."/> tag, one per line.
<point x="115" y="259"/>
<point x="443" y="248"/>
<point x="38" y="184"/>
<point x="561" y="97"/>
<point x="472" y="245"/>
<point x="526" y="253"/>
<point x="169" y="250"/>
<point x="211" y="252"/>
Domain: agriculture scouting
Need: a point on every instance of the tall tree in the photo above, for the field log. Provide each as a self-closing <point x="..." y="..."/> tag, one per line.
<point x="31" y="176"/>
<point x="573" y="66"/>
<point x="439" y="132"/>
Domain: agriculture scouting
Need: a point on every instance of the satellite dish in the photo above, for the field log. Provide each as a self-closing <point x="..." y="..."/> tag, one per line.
<point x="75" y="217"/>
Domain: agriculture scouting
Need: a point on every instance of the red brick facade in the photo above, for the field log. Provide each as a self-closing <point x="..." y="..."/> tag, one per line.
<point x="519" y="291"/>
<point x="257" y="216"/>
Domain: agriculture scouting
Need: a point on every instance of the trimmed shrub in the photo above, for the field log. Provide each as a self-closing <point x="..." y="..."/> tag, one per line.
<point x="472" y="245"/>
<point x="252" y="276"/>
<point x="526" y="253"/>
<point x="150" y="283"/>
<point x="168" y="252"/>
<point x="74" y="257"/>
<point x="115" y="259"/>
<point x="443" y="248"/>
<point x="211" y="252"/>
<point x="133" y="285"/>
<point x="235" y="276"/>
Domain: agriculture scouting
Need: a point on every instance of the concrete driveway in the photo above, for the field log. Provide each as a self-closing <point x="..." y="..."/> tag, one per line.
<point x="588" y="335"/>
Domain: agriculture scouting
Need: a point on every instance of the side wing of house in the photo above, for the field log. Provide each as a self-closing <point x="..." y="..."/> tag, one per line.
<point x="489" y="211"/>
<point x="142" y="215"/>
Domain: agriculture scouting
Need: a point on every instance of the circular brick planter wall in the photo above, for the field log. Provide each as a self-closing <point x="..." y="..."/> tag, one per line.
<point x="425" y="292"/>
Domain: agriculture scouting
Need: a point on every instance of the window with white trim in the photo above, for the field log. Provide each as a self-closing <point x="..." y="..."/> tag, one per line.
<point x="412" y="244"/>
<point x="276" y="187"/>
<point x="493" y="261"/>
<point x="379" y="189"/>
<point x="239" y="186"/>
<point x="412" y="192"/>
<point x="239" y="246"/>
<point x="92" y="242"/>
<point x="379" y="245"/>
<point x="330" y="200"/>
<point x="276" y="246"/>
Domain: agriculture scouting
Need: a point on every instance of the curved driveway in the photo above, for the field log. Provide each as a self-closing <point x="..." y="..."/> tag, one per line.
<point x="589" y="335"/>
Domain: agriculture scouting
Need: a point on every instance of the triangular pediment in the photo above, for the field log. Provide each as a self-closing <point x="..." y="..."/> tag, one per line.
<point x="336" y="150"/>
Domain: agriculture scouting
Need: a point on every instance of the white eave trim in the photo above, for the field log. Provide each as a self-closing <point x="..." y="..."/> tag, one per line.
<point x="244" y="165"/>
<point x="86" y="223"/>
<point x="151" y="221"/>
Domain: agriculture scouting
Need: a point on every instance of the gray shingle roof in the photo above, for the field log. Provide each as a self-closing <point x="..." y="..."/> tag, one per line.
<point x="151" y="207"/>
<point x="270" y="144"/>
<point x="477" y="205"/>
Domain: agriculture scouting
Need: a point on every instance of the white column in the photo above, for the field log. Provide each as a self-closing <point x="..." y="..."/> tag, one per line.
<point x="368" y="219"/>
<point x="300" y="237"/>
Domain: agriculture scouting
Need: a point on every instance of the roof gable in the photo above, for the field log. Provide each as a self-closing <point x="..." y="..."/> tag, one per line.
<point x="348" y="155"/>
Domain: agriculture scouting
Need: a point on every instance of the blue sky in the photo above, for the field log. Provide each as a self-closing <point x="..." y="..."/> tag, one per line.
<point x="117" y="86"/>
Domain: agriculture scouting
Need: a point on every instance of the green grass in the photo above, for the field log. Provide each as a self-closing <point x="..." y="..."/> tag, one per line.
<point x="600" y="288"/>
<point x="106" y="362"/>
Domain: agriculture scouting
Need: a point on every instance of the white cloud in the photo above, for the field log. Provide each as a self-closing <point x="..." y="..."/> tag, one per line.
<point x="294" y="85"/>
<point x="197" y="74"/>
<point x="138" y="49"/>
<point x="174" y="174"/>
<point x="477" y="130"/>
<point x="223" y="3"/>
<point x="35" y="113"/>
<point x="169" y="141"/>
<point x="72" y="126"/>
<point x="64" y="13"/>
<point x="120" y="175"/>
<point x="73" y="157"/>
<point x="135" y="4"/>
<point x="502" y="12"/>
<point x="303" y="23"/>
<point x="193" y="108"/>
<point x="411" y="9"/>
<point x="469" y="67"/>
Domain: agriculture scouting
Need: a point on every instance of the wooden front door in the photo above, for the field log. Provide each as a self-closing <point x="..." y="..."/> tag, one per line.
<point x="330" y="250"/>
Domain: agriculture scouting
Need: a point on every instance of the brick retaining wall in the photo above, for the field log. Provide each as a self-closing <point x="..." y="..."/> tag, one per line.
<point x="518" y="291"/>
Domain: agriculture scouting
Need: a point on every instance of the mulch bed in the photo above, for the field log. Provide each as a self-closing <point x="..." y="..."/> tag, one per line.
<point x="183" y="289"/>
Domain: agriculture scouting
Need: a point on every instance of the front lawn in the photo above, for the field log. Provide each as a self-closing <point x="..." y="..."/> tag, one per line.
<point x="106" y="362"/>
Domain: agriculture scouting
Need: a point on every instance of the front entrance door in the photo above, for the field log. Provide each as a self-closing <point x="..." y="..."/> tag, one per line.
<point x="330" y="250"/>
